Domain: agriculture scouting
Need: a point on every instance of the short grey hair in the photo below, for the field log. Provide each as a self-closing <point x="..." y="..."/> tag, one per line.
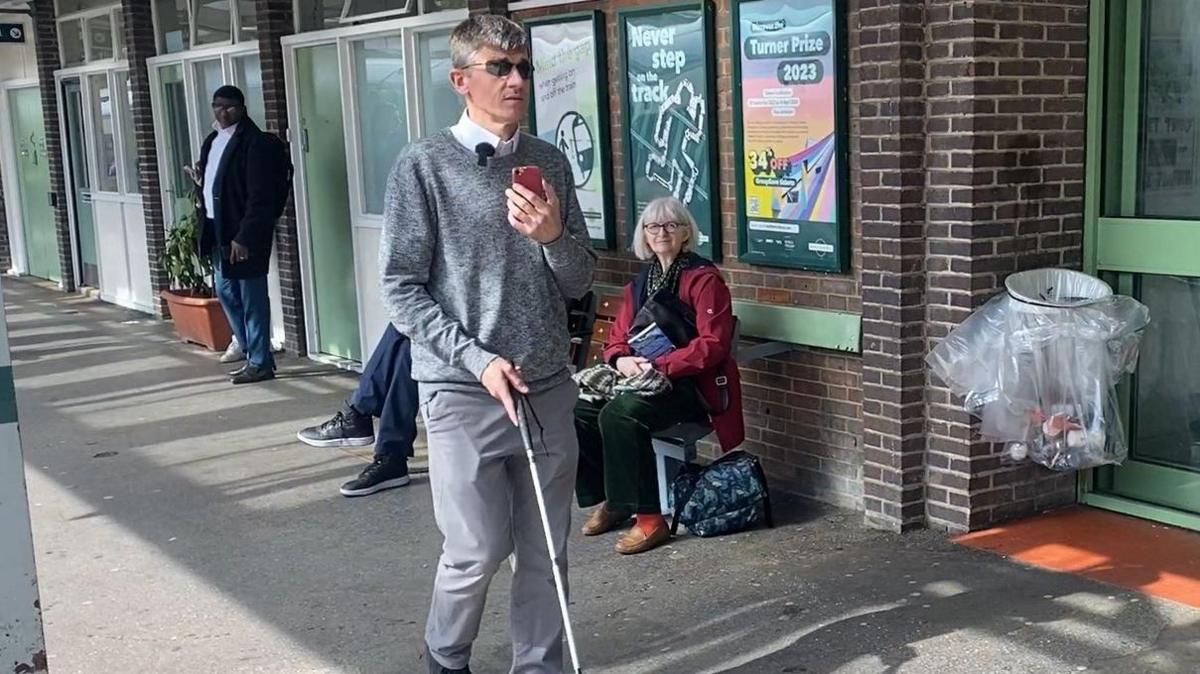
<point x="664" y="209"/>
<point x="485" y="30"/>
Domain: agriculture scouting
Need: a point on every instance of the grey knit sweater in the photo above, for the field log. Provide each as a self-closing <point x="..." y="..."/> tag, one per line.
<point x="460" y="282"/>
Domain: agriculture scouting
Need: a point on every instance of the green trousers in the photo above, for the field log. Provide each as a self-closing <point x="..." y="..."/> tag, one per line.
<point x="616" y="460"/>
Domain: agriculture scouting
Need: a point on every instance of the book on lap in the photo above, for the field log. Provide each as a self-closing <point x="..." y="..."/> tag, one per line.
<point x="651" y="342"/>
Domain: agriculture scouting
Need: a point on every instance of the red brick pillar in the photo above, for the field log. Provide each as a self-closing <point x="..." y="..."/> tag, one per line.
<point x="140" y="45"/>
<point x="1006" y="105"/>
<point x="46" y="37"/>
<point x="488" y="6"/>
<point x="276" y="20"/>
<point x="889" y="148"/>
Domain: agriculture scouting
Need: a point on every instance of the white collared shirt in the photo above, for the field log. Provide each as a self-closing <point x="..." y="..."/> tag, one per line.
<point x="213" y="163"/>
<point x="471" y="134"/>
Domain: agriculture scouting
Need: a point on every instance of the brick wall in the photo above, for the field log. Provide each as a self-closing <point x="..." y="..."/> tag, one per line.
<point x="275" y="20"/>
<point x="1006" y="106"/>
<point x="140" y="45"/>
<point x="803" y="410"/>
<point x="46" y="44"/>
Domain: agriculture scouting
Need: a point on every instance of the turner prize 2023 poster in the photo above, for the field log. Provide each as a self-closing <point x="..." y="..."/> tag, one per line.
<point x="571" y="112"/>
<point x="789" y="141"/>
<point x="669" y="136"/>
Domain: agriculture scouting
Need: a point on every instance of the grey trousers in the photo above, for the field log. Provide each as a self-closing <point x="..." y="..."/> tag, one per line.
<point x="485" y="507"/>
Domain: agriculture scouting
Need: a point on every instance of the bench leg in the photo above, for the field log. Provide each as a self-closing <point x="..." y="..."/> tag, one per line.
<point x="664" y="484"/>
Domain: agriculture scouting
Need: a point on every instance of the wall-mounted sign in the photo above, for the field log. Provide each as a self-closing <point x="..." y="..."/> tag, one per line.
<point x="670" y="124"/>
<point x="570" y="110"/>
<point x="11" y="32"/>
<point x="791" y="134"/>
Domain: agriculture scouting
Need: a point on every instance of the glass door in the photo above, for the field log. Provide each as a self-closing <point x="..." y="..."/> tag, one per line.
<point x="176" y="138"/>
<point x="1144" y="224"/>
<point x="33" y="182"/>
<point x="327" y="202"/>
<point x="81" y="187"/>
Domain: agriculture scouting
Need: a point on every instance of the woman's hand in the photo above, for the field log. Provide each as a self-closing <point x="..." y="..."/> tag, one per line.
<point x="632" y="366"/>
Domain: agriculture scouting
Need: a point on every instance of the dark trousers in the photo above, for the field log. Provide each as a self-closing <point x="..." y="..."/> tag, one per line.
<point x="616" y="459"/>
<point x="247" y="305"/>
<point x="386" y="390"/>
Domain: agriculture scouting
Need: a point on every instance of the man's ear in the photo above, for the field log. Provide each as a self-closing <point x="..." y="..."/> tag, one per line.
<point x="458" y="80"/>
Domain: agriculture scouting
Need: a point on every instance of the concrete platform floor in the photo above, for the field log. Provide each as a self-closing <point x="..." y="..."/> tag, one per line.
<point x="179" y="527"/>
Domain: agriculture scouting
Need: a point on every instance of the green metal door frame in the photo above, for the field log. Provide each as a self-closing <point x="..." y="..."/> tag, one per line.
<point x="1123" y="246"/>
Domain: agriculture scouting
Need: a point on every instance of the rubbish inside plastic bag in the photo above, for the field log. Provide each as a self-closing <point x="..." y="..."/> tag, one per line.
<point x="1039" y="363"/>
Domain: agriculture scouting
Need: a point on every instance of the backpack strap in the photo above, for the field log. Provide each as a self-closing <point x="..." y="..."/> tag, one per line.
<point x="694" y="473"/>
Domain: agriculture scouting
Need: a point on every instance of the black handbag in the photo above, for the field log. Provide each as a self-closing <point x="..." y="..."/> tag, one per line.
<point x="676" y="319"/>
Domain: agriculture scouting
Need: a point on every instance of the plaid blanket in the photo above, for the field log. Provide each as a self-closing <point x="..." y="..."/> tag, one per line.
<point x="604" y="382"/>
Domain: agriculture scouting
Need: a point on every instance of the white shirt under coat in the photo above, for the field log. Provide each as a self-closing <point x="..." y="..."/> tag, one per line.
<point x="213" y="164"/>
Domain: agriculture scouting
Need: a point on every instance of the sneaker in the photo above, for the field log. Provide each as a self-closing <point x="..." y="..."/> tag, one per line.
<point x="347" y="428"/>
<point x="381" y="474"/>
<point x="252" y="375"/>
<point x="234" y="353"/>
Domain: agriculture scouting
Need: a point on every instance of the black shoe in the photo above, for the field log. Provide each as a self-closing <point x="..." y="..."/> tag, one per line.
<point x="253" y="375"/>
<point x="347" y="428"/>
<point x="436" y="667"/>
<point x="381" y="474"/>
<point x="238" y="371"/>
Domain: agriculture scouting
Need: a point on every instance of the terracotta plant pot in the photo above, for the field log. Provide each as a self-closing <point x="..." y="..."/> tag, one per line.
<point x="199" y="320"/>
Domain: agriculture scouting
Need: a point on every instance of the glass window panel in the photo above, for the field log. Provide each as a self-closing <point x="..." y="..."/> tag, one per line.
<point x="382" y="113"/>
<point x="100" y="37"/>
<point x="119" y="33"/>
<point x="247" y="21"/>
<point x="443" y="5"/>
<point x="441" y="106"/>
<point x="105" y="150"/>
<point x="133" y="171"/>
<point x="179" y="148"/>
<point x="209" y="78"/>
<point x="365" y="7"/>
<point x="249" y="80"/>
<point x="213" y="21"/>
<point x="174" y="33"/>
<point x="66" y="7"/>
<point x="1168" y="376"/>
<point x="1168" y="154"/>
<point x="70" y="36"/>
<point x="318" y="14"/>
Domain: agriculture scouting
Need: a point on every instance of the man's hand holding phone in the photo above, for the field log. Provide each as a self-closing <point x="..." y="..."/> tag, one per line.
<point x="534" y="215"/>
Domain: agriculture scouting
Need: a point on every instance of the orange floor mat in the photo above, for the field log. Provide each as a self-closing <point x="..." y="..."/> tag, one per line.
<point x="1156" y="559"/>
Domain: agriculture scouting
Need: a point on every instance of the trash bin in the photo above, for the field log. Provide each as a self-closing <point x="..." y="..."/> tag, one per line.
<point x="1039" y="366"/>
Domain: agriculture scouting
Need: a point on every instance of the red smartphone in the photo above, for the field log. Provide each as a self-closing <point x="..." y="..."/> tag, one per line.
<point x="529" y="177"/>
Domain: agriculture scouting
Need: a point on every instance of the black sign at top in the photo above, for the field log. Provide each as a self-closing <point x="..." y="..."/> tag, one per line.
<point x="12" y="32"/>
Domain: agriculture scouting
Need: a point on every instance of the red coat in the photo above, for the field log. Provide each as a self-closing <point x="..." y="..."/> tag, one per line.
<point x="706" y="357"/>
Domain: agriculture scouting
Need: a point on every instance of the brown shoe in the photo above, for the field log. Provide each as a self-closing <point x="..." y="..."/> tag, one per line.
<point x="635" y="540"/>
<point x="602" y="520"/>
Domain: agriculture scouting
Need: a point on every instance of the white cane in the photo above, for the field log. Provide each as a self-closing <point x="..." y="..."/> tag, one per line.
<point x="527" y="438"/>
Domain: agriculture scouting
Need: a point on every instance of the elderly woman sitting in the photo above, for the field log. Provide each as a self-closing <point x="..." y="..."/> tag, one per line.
<point x="616" y="460"/>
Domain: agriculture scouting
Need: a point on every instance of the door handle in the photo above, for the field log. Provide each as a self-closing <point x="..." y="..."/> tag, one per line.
<point x="304" y="139"/>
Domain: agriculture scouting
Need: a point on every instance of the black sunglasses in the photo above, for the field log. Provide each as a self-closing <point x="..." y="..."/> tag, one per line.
<point x="503" y="67"/>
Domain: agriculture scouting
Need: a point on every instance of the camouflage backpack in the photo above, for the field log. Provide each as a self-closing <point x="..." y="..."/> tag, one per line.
<point x="724" y="497"/>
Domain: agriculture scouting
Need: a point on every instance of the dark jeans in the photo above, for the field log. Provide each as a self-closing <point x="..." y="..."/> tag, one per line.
<point x="386" y="390"/>
<point x="247" y="305"/>
<point x="616" y="459"/>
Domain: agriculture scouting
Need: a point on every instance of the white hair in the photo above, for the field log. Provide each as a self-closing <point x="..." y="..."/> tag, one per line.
<point x="665" y="209"/>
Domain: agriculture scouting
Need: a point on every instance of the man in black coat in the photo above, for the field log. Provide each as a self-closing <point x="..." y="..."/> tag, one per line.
<point x="243" y="179"/>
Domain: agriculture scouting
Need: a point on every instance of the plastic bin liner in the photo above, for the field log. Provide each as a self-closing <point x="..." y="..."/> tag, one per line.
<point x="1039" y="364"/>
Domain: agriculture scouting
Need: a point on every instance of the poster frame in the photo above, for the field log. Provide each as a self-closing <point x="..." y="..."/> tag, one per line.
<point x="841" y="263"/>
<point x="603" y="112"/>
<point x="710" y="122"/>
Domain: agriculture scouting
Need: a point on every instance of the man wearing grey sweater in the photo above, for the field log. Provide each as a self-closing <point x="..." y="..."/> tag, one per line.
<point x="477" y="272"/>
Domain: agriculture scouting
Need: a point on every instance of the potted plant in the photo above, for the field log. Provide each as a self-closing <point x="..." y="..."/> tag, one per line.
<point x="196" y="313"/>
